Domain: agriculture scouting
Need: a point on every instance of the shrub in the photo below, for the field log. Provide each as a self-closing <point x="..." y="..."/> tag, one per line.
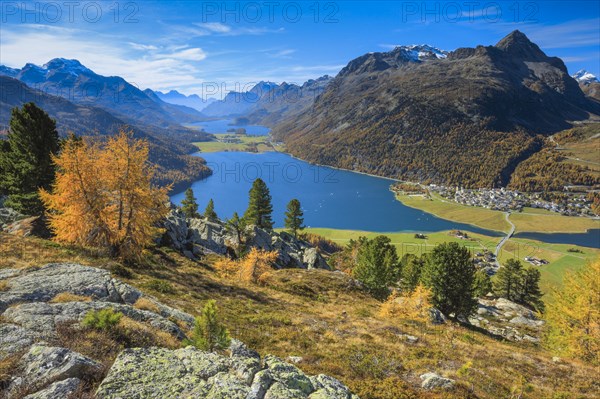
<point x="412" y="306"/>
<point x="164" y="287"/>
<point x="250" y="268"/>
<point x="209" y="334"/>
<point x="69" y="297"/>
<point x="104" y="319"/>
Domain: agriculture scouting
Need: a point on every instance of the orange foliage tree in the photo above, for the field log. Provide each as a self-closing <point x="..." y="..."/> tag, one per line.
<point x="414" y="305"/>
<point x="249" y="268"/>
<point x="103" y="196"/>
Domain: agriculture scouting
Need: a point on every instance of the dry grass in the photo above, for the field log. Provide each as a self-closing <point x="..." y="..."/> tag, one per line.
<point x="68" y="297"/>
<point x="4" y="286"/>
<point x="146" y="304"/>
<point x="336" y="328"/>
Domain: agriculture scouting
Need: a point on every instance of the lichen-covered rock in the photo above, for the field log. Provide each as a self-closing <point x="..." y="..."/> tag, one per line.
<point x="43" y="317"/>
<point x="289" y="375"/>
<point x="191" y="373"/>
<point x="14" y="339"/>
<point x="58" y="390"/>
<point x="435" y="381"/>
<point x="44" y="365"/>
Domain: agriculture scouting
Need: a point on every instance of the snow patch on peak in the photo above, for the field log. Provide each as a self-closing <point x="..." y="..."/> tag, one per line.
<point x="585" y="77"/>
<point x="420" y="52"/>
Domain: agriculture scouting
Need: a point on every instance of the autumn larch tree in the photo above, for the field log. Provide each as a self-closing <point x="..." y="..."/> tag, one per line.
<point x="26" y="158"/>
<point x="259" y="207"/>
<point x="294" y="220"/>
<point x="103" y="196"/>
<point x="573" y="316"/>
<point x="189" y="206"/>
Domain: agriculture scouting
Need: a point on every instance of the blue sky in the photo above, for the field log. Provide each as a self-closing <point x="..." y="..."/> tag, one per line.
<point x="211" y="47"/>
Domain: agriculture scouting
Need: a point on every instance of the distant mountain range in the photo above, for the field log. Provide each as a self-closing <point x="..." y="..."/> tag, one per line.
<point x="89" y="104"/>
<point x="467" y="117"/>
<point x="239" y="103"/>
<point x="193" y="101"/>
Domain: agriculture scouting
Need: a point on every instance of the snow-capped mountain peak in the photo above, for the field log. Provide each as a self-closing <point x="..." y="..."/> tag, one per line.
<point x="420" y="52"/>
<point x="585" y="77"/>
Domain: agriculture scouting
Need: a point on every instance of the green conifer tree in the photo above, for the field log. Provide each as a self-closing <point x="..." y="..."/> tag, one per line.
<point x="294" y="219"/>
<point x="482" y="283"/>
<point x="209" y="212"/>
<point x="259" y="207"/>
<point x="26" y="160"/>
<point x="377" y="265"/>
<point x="449" y="272"/>
<point x="236" y="226"/>
<point x="189" y="206"/>
<point x="209" y="334"/>
<point x="508" y="280"/>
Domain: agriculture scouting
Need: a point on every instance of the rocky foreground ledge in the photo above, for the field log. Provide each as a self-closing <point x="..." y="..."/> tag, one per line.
<point x="28" y="329"/>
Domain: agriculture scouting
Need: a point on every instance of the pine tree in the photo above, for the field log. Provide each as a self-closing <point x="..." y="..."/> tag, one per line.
<point x="209" y="334"/>
<point x="259" y="207"/>
<point x="410" y="272"/>
<point x="573" y="316"/>
<point x="530" y="293"/>
<point x="209" y="212"/>
<point x="26" y="161"/>
<point x="508" y="280"/>
<point x="189" y="206"/>
<point x="103" y="197"/>
<point x="449" y="272"/>
<point x="377" y="265"/>
<point x="482" y="284"/>
<point x="294" y="220"/>
<point x="236" y="226"/>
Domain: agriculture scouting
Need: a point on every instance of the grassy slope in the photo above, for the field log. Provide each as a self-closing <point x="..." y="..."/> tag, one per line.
<point x="530" y="221"/>
<point x="336" y="329"/>
<point x="246" y="140"/>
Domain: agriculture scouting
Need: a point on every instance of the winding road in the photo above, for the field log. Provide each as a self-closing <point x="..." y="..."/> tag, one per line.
<point x="505" y="239"/>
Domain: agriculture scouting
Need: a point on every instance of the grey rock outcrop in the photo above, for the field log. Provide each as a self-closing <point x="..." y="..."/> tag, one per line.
<point x="44" y="365"/>
<point x="58" y="390"/>
<point x="507" y="319"/>
<point x="197" y="237"/>
<point x="189" y="372"/>
<point x="44" y="371"/>
<point x="435" y="381"/>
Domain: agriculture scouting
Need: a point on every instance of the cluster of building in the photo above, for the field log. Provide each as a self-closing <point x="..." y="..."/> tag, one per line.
<point x="505" y="200"/>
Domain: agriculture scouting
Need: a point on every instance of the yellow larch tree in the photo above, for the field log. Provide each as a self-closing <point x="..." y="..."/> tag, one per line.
<point x="250" y="268"/>
<point x="413" y="305"/>
<point x="103" y="196"/>
<point x="573" y="315"/>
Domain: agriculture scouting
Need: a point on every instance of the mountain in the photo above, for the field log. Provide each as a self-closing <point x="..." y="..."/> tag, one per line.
<point x="588" y="83"/>
<point x="464" y="119"/>
<point x="286" y="101"/>
<point x="192" y="101"/>
<point x="168" y="152"/>
<point x="585" y="77"/>
<point x="238" y="103"/>
<point x="75" y="82"/>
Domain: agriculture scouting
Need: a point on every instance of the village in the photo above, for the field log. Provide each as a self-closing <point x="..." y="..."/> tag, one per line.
<point x="505" y="200"/>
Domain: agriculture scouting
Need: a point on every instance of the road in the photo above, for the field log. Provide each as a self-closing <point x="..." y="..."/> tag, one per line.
<point x="505" y="239"/>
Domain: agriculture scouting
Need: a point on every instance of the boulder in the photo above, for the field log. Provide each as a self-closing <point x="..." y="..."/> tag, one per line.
<point x="44" y="365"/>
<point x="189" y="372"/>
<point x="58" y="390"/>
<point x="434" y="381"/>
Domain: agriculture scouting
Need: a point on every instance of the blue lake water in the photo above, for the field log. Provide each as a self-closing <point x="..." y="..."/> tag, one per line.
<point x="222" y="125"/>
<point x="590" y="239"/>
<point x="330" y="197"/>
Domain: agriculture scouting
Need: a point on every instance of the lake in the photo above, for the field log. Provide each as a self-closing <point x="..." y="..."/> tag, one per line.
<point x="222" y="125"/>
<point x="330" y="197"/>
